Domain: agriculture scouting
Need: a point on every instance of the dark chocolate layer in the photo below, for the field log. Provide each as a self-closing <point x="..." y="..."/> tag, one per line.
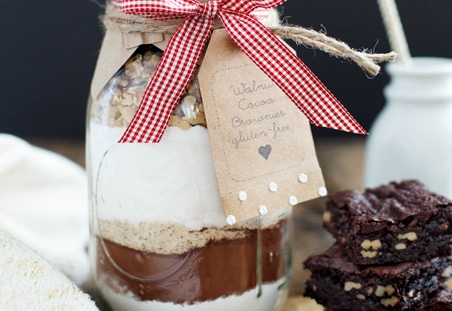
<point x="220" y="269"/>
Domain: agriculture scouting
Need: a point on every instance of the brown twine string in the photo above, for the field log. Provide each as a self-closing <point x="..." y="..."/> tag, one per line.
<point x="127" y="23"/>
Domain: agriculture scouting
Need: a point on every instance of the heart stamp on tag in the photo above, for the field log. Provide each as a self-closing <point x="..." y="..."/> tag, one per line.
<point x="265" y="151"/>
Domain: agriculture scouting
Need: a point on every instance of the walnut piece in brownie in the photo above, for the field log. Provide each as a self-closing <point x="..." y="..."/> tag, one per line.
<point x="390" y="224"/>
<point x="338" y="284"/>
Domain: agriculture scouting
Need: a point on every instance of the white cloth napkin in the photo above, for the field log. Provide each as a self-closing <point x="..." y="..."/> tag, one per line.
<point x="29" y="282"/>
<point x="43" y="203"/>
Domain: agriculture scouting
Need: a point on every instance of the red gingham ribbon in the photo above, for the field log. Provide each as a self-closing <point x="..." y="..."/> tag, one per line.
<point x="184" y="49"/>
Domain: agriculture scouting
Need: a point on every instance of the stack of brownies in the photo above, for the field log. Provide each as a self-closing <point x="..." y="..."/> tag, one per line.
<point x="392" y="250"/>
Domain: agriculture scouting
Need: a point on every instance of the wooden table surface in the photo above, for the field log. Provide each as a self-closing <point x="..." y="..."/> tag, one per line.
<point x="341" y="161"/>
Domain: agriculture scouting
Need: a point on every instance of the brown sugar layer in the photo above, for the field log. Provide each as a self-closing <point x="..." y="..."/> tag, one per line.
<point x="177" y="238"/>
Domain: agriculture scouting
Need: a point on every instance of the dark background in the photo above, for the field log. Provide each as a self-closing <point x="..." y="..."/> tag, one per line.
<point x="49" y="50"/>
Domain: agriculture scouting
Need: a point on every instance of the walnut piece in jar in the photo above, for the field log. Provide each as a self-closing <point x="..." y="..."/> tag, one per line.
<point x="117" y="103"/>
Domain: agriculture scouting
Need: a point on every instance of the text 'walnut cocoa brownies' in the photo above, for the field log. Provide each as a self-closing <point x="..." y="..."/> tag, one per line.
<point x="392" y="252"/>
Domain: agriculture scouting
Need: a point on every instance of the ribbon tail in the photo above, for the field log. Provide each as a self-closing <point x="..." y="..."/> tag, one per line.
<point x="169" y="81"/>
<point x="289" y="73"/>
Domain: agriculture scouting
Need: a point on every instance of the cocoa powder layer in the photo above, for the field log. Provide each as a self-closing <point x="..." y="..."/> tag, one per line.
<point x="220" y="268"/>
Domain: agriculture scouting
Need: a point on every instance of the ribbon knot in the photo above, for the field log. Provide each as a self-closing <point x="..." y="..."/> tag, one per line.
<point x="184" y="49"/>
<point x="208" y="9"/>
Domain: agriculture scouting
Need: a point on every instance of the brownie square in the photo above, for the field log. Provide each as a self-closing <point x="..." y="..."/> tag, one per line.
<point x="393" y="223"/>
<point x="339" y="284"/>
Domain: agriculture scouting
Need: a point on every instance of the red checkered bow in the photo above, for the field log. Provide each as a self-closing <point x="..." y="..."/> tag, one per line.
<point x="184" y="49"/>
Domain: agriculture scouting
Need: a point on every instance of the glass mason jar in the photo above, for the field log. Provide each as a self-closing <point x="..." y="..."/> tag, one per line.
<point x="411" y="137"/>
<point x="159" y="238"/>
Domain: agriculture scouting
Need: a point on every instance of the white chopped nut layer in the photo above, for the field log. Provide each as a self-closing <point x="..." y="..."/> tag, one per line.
<point x="120" y="98"/>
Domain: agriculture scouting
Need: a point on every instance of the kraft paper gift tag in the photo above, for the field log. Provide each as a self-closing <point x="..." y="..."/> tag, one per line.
<point x="261" y="143"/>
